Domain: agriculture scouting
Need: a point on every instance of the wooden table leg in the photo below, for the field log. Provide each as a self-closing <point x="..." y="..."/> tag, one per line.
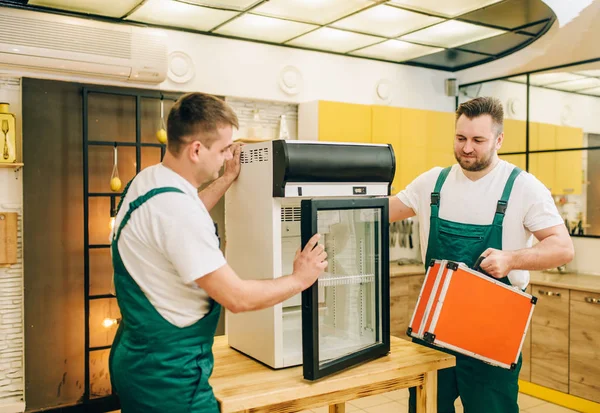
<point x="427" y="394"/>
<point x="337" y="408"/>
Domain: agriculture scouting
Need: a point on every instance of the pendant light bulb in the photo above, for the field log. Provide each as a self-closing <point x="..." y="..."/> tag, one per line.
<point x="115" y="182"/>
<point x="161" y="134"/>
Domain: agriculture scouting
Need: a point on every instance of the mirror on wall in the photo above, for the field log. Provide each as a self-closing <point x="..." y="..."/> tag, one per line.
<point x="553" y="132"/>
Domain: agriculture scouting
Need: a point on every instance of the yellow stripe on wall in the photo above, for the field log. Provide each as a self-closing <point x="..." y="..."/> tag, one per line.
<point x="556" y="397"/>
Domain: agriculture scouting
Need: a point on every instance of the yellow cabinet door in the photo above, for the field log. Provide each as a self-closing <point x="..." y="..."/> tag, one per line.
<point x="569" y="168"/>
<point x="543" y="167"/>
<point x="542" y="136"/>
<point x="386" y="128"/>
<point x="514" y="136"/>
<point x="344" y="122"/>
<point x="440" y="139"/>
<point x="569" y="173"/>
<point x="568" y="137"/>
<point x="413" y="146"/>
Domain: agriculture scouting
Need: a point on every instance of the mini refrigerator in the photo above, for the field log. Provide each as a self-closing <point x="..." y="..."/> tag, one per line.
<point x="286" y="192"/>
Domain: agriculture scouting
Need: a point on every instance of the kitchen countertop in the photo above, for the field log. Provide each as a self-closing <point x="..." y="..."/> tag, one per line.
<point x="572" y="281"/>
<point x="404" y="270"/>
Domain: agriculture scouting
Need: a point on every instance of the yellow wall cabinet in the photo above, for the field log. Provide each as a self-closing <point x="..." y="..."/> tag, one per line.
<point x="561" y="172"/>
<point x="334" y="122"/>
<point x="421" y="140"/>
<point x="515" y="132"/>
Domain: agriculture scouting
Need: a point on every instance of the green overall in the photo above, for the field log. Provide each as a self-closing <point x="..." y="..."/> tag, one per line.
<point x="154" y="365"/>
<point x="482" y="388"/>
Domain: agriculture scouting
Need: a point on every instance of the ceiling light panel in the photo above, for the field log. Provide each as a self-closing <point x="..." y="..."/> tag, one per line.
<point x="451" y="33"/>
<point x="595" y="91"/>
<point x="386" y="21"/>
<point x="311" y="11"/>
<point x="334" y="40"/>
<point x="396" y="50"/>
<point x="264" y="28"/>
<point x="595" y="73"/>
<point x="177" y="14"/>
<point x="112" y="8"/>
<point x="549" y="78"/>
<point x="226" y="4"/>
<point x="575" y="85"/>
<point x="444" y="8"/>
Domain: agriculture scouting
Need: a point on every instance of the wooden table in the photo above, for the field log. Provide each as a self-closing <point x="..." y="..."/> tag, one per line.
<point x="242" y="384"/>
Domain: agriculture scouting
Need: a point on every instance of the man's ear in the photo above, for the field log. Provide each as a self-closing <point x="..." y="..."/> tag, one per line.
<point x="195" y="149"/>
<point x="499" y="141"/>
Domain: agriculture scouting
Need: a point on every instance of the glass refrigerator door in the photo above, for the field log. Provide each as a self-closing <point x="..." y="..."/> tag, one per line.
<point x="348" y="321"/>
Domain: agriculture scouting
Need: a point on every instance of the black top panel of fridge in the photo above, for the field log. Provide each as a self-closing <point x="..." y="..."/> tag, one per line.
<point x="330" y="162"/>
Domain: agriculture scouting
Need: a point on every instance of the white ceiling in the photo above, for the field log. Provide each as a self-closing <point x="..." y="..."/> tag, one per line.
<point x="397" y="30"/>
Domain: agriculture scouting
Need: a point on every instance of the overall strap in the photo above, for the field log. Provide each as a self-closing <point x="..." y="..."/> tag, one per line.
<point x="135" y="204"/>
<point x="503" y="202"/>
<point x="435" y="195"/>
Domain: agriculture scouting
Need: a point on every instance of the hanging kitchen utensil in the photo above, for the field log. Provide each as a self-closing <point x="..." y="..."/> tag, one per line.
<point x="8" y="141"/>
<point x="410" y="233"/>
<point x="115" y="182"/>
<point x="161" y="134"/>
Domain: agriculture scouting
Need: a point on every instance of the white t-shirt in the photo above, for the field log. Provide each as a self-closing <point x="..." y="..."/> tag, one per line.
<point x="530" y="206"/>
<point x="168" y="243"/>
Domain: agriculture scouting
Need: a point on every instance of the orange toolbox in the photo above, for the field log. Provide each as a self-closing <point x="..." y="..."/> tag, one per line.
<point x="471" y="313"/>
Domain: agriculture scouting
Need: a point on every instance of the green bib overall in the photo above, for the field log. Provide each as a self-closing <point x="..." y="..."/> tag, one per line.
<point x="482" y="388"/>
<point x="156" y="366"/>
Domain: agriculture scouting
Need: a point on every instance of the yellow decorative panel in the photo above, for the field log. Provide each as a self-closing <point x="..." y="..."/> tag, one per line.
<point x="543" y="166"/>
<point x="386" y="128"/>
<point x="568" y="137"/>
<point x="514" y="136"/>
<point x="344" y="122"/>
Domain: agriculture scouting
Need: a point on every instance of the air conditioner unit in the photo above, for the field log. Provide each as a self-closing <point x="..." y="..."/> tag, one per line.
<point x="51" y="43"/>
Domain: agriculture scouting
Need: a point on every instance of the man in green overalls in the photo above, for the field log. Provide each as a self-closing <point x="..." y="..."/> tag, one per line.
<point x="170" y="276"/>
<point x="483" y="206"/>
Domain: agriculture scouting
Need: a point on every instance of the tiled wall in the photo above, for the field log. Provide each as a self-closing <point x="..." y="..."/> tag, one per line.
<point x="11" y="278"/>
<point x="261" y="119"/>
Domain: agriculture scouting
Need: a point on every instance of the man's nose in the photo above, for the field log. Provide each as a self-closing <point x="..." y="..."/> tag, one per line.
<point x="468" y="148"/>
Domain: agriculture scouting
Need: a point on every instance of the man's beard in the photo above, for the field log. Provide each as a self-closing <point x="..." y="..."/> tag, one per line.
<point x="477" y="165"/>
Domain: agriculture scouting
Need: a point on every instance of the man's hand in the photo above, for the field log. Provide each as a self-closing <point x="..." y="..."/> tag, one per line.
<point x="232" y="166"/>
<point x="497" y="263"/>
<point x="310" y="262"/>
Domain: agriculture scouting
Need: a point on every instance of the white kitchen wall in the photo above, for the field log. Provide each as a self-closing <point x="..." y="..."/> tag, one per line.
<point x="11" y="278"/>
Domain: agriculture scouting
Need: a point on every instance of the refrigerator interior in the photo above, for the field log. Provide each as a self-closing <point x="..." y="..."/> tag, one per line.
<point x="347" y="289"/>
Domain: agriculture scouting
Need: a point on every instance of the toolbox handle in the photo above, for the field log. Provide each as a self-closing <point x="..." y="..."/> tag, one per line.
<point x="477" y="266"/>
<point x="549" y="293"/>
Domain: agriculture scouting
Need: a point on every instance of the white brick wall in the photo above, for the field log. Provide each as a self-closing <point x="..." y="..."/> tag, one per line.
<point x="11" y="278"/>
<point x="267" y="127"/>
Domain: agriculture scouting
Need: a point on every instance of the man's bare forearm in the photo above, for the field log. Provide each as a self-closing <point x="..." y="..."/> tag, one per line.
<point x="213" y="192"/>
<point x="551" y="252"/>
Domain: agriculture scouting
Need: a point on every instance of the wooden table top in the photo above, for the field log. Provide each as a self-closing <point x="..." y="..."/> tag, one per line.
<point x="243" y="384"/>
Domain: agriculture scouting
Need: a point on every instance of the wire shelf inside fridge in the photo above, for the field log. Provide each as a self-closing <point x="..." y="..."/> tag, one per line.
<point x="331" y="280"/>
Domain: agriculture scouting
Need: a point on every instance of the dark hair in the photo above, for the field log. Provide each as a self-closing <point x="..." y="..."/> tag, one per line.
<point x="196" y="114"/>
<point x="483" y="106"/>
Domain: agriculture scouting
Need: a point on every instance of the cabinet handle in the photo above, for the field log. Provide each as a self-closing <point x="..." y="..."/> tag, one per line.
<point x="549" y="293"/>
<point x="592" y="300"/>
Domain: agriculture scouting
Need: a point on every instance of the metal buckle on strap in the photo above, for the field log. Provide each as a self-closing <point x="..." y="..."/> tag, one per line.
<point x="501" y="207"/>
<point x="435" y="198"/>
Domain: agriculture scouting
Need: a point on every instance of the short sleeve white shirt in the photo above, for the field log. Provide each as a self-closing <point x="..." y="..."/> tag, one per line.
<point x="530" y="207"/>
<point x="168" y="243"/>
